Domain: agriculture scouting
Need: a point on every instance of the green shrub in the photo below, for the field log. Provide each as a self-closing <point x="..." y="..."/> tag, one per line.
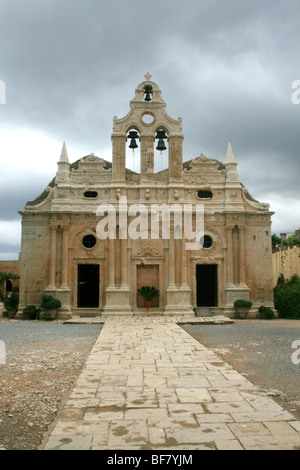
<point x="12" y="301"/>
<point x="48" y="303"/>
<point x="30" y="311"/>
<point x="280" y="282"/>
<point x="267" y="312"/>
<point x="287" y="297"/>
<point x="240" y="303"/>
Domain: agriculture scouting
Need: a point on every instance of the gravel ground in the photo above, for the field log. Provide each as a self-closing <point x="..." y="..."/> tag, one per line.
<point x="261" y="350"/>
<point x="43" y="361"/>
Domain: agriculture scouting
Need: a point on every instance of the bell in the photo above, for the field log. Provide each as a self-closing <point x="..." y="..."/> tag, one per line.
<point x="161" y="145"/>
<point x="148" y="91"/>
<point x="133" y="144"/>
<point x="133" y="135"/>
<point x="160" y="135"/>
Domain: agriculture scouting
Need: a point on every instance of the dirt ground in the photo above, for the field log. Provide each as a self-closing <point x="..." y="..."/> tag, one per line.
<point x="32" y="384"/>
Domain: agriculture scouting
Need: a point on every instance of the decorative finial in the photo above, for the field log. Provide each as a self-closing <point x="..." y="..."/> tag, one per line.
<point x="64" y="154"/>
<point x="148" y="76"/>
<point x="229" y="156"/>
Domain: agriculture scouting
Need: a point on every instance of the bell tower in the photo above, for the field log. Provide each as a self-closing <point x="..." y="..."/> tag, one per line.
<point x="147" y="125"/>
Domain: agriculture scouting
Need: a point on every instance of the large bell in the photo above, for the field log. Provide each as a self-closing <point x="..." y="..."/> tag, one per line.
<point x="133" y="144"/>
<point x="160" y="135"/>
<point x="161" y="145"/>
<point x="148" y="92"/>
<point x="133" y="135"/>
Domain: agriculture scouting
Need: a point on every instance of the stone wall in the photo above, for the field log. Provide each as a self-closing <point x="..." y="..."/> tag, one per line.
<point x="286" y="262"/>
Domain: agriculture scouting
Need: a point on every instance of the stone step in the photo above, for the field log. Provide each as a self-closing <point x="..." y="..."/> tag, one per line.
<point x="203" y="312"/>
<point x="86" y="312"/>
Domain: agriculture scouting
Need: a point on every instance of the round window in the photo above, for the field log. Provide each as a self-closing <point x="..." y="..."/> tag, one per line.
<point x="148" y="118"/>
<point x="89" y="241"/>
<point x="206" y="241"/>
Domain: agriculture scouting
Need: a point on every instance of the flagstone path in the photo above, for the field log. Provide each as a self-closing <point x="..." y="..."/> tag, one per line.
<point x="147" y="384"/>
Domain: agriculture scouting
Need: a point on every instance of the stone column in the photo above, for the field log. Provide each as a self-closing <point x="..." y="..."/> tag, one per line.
<point x="242" y="255"/>
<point x="117" y="298"/>
<point x="118" y="158"/>
<point x="229" y="256"/>
<point x="178" y="298"/>
<point x="124" y="264"/>
<point x="175" y="157"/>
<point x="183" y="263"/>
<point x="111" y="262"/>
<point x="52" y="261"/>
<point x="239" y="290"/>
<point x="147" y="157"/>
<point x="65" y="258"/>
<point x="171" y="259"/>
<point x="63" y="292"/>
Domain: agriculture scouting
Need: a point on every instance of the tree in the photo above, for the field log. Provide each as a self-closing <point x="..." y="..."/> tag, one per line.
<point x="275" y="241"/>
<point x="293" y="240"/>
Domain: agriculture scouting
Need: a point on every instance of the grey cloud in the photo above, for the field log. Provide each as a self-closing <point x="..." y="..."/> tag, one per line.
<point x="225" y="67"/>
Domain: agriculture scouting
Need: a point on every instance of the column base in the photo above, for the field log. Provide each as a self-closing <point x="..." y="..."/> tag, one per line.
<point x="236" y="292"/>
<point x="61" y="293"/>
<point x="178" y="301"/>
<point x="117" y="301"/>
<point x="64" y="313"/>
<point x="19" y="314"/>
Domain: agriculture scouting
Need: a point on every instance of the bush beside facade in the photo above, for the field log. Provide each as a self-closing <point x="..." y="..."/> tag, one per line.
<point x="49" y="303"/>
<point x="287" y="296"/>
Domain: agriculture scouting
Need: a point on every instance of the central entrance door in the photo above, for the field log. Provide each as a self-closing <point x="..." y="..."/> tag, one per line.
<point x="207" y="285"/>
<point x="88" y="286"/>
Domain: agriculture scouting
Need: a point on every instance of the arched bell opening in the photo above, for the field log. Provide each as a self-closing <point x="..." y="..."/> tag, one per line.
<point x="161" y="150"/>
<point x="133" y="152"/>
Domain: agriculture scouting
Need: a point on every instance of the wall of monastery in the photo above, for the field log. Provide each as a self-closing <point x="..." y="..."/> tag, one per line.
<point x="286" y="262"/>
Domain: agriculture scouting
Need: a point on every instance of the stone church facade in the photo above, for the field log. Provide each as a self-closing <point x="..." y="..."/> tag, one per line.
<point x="63" y="255"/>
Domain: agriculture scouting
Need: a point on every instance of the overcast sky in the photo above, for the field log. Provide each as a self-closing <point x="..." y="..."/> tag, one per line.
<point x="225" y="66"/>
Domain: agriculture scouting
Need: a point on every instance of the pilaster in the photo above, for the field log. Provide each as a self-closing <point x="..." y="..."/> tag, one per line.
<point x="52" y="260"/>
<point x="175" y="157"/>
<point x="147" y="157"/>
<point x="118" y="158"/>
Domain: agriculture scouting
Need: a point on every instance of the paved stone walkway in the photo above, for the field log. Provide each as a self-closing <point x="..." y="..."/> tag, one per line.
<point x="147" y="384"/>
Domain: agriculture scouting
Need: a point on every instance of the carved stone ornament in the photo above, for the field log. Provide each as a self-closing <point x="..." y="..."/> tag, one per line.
<point x="147" y="251"/>
<point x="90" y="168"/>
<point x="261" y="206"/>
